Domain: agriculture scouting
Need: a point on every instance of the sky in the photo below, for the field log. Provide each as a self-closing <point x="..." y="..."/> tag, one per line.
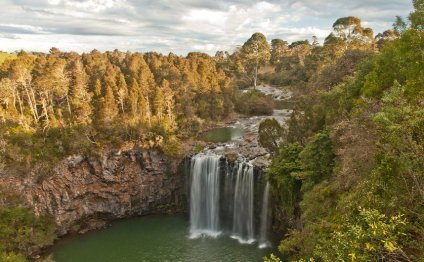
<point x="178" y="26"/>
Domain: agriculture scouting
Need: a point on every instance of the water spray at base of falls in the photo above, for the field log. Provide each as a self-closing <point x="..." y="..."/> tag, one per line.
<point x="222" y="200"/>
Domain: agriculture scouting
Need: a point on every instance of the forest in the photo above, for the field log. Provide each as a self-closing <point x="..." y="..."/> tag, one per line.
<point x="348" y="178"/>
<point x="347" y="173"/>
<point x="84" y="103"/>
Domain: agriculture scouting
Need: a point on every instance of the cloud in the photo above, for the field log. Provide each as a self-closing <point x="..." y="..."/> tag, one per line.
<point x="9" y="36"/>
<point x="178" y="26"/>
<point x="22" y="29"/>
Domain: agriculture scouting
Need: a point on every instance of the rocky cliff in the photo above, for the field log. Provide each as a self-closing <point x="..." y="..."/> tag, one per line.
<point x="85" y="192"/>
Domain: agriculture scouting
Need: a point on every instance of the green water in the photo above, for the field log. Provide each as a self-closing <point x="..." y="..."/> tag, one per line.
<point x="220" y="135"/>
<point x="152" y="238"/>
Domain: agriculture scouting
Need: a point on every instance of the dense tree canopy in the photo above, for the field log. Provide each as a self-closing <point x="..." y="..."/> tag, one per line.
<point x="270" y="134"/>
<point x="349" y="180"/>
<point x="107" y="98"/>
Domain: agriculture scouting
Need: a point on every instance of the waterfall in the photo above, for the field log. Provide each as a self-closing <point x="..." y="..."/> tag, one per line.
<point x="243" y="205"/>
<point x="222" y="200"/>
<point x="228" y="199"/>
<point x="204" y="196"/>
<point x="263" y="240"/>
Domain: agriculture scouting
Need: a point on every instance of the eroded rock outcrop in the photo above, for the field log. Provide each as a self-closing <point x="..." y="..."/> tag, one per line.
<point x="84" y="192"/>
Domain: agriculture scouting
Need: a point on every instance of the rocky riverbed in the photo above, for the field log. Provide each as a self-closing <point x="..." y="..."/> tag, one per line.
<point x="247" y="147"/>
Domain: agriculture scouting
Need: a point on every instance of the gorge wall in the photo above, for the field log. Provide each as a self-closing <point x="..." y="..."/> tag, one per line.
<point x="85" y="192"/>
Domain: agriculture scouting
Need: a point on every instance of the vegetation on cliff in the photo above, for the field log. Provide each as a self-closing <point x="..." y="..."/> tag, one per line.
<point x="348" y="181"/>
<point x="21" y="231"/>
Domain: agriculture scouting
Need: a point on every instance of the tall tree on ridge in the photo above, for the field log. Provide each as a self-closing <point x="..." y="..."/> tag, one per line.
<point x="255" y="53"/>
<point x="80" y="98"/>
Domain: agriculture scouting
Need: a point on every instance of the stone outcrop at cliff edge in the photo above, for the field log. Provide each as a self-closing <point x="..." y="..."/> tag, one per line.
<point x="84" y="191"/>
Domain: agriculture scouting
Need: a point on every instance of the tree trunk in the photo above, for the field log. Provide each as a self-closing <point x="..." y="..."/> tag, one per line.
<point x="69" y="105"/>
<point x="14" y="98"/>
<point x="121" y="101"/>
<point x="31" y="105"/>
<point x="20" y="105"/>
<point x="45" y="113"/>
<point x="35" y="102"/>
<point x="255" y="79"/>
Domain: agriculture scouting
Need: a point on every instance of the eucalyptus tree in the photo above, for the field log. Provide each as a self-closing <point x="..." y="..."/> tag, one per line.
<point x="350" y="30"/>
<point x="399" y="25"/>
<point x="271" y="134"/>
<point x="80" y="97"/>
<point x="279" y="49"/>
<point x="387" y="36"/>
<point x="255" y="53"/>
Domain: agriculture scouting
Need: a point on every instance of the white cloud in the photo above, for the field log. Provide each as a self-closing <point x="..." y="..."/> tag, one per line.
<point x="178" y="26"/>
<point x="20" y="28"/>
<point x="211" y="17"/>
<point x="94" y="5"/>
<point x="54" y="2"/>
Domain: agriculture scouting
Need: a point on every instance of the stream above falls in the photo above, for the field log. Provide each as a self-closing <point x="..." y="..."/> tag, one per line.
<point x="222" y="134"/>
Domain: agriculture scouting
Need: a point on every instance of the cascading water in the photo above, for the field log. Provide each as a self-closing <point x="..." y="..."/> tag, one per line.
<point x="204" y="196"/>
<point x="222" y="199"/>
<point x="243" y="205"/>
<point x="263" y="237"/>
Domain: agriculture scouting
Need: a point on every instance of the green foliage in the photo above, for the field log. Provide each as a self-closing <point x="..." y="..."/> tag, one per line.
<point x="20" y="229"/>
<point x="347" y="21"/>
<point x="25" y="150"/>
<point x="254" y="103"/>
<point x="317" y="160"/>
<point x="4" y="56"/>
<point x="366" y="236"/>
<point x="272" y="258"/>
<point x="296" y="168"/>
<point x="399" y="25"/>
<point x="172" y="147"/>
<point x="350" y="30"/>
<point x="398" y="61"/>
<point x="198" y="148"/>
<point x="358" y="97"/>
<point x="299" y="43"/>
<point x="11" y="257"/>
<point x="270" y="134"/>
<point x="417" y="16"/>
<point x="278" y="49"/>
<point x="285" y="187"/>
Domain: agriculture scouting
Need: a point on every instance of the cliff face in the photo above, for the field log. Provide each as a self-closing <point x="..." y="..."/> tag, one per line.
<point x="85" y="192"/>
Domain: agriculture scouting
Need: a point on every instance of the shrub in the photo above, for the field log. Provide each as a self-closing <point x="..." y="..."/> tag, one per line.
<point x="254" y="103"/>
